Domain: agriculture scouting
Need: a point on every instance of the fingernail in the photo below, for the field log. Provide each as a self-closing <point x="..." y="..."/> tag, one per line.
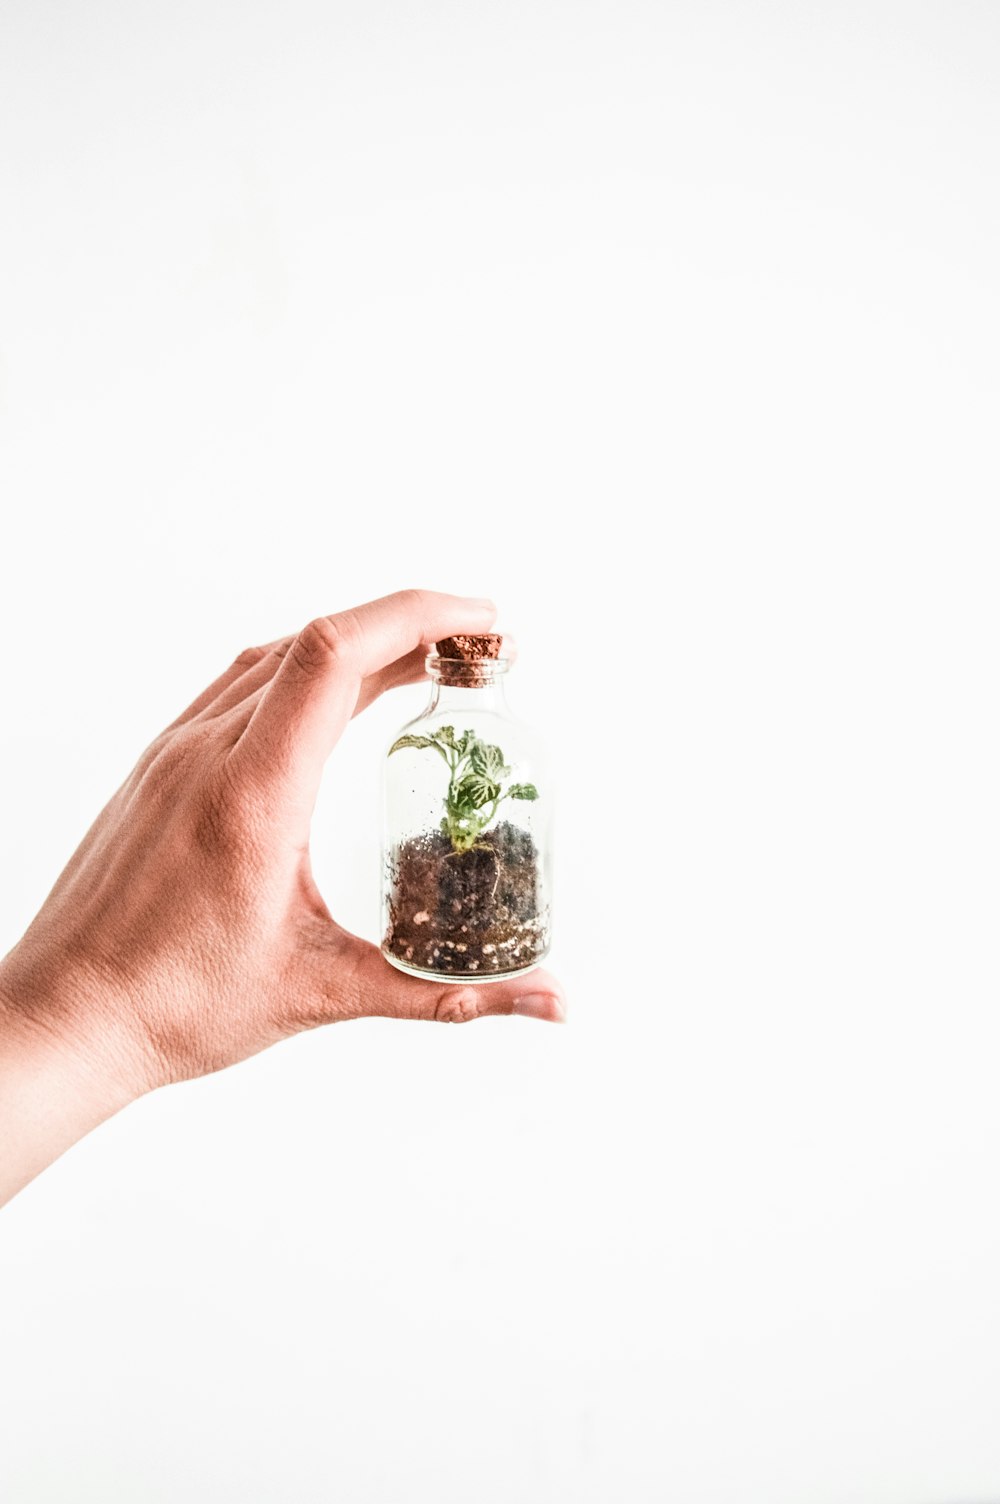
<point x="482" y="600"/>
<point x="541" y="1005"/>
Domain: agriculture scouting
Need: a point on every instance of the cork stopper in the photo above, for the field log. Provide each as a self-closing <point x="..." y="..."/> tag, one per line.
<point x="466" y="659"/>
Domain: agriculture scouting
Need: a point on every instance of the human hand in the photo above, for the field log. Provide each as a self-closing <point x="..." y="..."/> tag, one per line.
<point x="186" y="932"/>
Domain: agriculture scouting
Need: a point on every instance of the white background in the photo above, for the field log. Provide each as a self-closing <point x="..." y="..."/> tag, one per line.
<point x="675" y="328"/>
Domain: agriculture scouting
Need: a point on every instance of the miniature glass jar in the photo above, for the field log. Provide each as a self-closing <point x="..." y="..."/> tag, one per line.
<point x="467" y="811"/>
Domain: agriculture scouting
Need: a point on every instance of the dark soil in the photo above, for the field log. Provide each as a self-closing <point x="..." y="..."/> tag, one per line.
<point x="472" y="913"/>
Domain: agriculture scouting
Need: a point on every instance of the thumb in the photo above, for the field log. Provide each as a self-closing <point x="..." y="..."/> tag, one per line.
<point x="361" y="983"/>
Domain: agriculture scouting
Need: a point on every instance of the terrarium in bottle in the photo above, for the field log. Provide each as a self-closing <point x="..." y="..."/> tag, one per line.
<point x="466" y="864"/>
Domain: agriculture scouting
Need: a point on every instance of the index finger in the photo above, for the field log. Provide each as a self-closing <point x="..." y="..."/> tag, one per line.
<point x="305" y="707"/>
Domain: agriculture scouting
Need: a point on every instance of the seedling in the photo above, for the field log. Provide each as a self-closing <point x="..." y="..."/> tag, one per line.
<point x="476" y="773"/>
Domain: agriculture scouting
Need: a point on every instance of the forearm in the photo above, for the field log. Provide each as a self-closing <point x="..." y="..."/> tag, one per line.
<point x="60" y="1076"/>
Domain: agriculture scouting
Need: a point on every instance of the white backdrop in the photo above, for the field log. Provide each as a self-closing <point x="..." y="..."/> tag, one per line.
<point x="675" y="329"/>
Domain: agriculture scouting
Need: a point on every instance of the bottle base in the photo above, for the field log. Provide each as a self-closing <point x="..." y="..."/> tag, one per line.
<point x="464" y="978"/>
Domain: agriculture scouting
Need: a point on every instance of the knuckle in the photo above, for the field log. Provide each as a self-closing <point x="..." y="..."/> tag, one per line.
<point x="414" y="600"/>
<point x="325" y="640"/>
<point x="149" y="754"/>
<point x="165" y="765"/>
<point x="234" y="798"/>
<point x="249" y="657"/>
<point x="456" y="1006"/>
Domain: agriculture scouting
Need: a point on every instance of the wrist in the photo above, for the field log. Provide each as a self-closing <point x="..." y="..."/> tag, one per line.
<point x="66" y="1065"/>
<point x="59" y="1007"/>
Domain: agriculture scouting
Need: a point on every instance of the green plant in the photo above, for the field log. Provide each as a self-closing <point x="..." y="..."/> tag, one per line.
<point x="476" y="772"/>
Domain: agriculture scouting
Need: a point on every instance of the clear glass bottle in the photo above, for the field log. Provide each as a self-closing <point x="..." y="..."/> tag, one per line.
<point x="467" y="811"/>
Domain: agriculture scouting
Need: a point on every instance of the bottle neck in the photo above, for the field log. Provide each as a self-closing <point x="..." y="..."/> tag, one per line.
<point x="460" y="686"/>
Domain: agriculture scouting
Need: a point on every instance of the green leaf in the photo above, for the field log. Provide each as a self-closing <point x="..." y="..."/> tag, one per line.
<point x="446" y="736"/>
<point x="522" y="791"/>
<point x="488" y="760"/>
<point x="477" y="790"/>
<point x="411" y="741"/>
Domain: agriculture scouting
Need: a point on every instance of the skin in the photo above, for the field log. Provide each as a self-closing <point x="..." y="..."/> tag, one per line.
<point x="186" y="931"/>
